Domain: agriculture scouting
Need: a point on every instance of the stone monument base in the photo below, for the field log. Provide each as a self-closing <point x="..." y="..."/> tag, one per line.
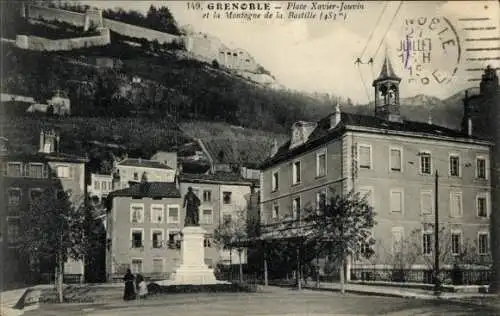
<point x="193" y="269"/>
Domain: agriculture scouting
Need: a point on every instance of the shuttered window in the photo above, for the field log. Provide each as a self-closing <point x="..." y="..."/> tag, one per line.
<point x="396" y="201"/>
<point x="365" y="160"/>
<point x="395" y="159"/>
<point x="456" y="204"/>
<point x="426" y="202"/>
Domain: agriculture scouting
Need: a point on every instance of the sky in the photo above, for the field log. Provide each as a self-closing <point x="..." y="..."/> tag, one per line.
<point x="319" y="56"/>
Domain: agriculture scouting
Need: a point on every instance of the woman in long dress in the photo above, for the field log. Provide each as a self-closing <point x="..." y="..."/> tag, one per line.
<point x="129" y="293"/>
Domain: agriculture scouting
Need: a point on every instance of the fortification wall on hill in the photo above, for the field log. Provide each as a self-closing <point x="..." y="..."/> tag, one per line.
<point x="139" y="32"/>
<point x="44" y="44"/>
<point x="50" y="14"/>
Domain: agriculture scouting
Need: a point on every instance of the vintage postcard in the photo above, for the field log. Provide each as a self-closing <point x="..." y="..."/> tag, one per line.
<point x="249" y="157"/>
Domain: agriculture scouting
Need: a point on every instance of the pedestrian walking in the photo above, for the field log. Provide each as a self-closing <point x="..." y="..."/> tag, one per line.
<point x="129" y="292"/>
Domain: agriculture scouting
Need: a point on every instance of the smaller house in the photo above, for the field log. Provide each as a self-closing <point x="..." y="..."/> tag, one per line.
<point x="100" y="185"/>
<point x="130" y="170"/>
<point x="59" y="104"/>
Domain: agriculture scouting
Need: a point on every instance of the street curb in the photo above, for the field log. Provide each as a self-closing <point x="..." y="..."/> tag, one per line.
<point x="358" y="292"/>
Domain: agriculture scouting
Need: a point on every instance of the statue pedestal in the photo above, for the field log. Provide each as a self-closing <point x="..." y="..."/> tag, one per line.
<point x="193" y="269"/>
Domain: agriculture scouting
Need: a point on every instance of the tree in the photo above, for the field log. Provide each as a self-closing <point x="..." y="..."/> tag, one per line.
<point x="337" y="228"/>
<point x="230" y="232"/>
<point x="53" y="228"/>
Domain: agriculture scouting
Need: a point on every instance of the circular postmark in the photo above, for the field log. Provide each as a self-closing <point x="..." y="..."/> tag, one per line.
<point x="430" y="50"/>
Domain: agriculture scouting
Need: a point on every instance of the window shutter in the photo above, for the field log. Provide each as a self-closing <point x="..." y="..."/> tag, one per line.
<point x="396" y="201"/>
<point x="71" y="171"/>
<point x="364" y="156"/>
<point x="426" y="202"/>
<point x="395" y="159"/>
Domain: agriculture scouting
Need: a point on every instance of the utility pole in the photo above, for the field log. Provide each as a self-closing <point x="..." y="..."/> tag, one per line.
<point x="437" y="282"/>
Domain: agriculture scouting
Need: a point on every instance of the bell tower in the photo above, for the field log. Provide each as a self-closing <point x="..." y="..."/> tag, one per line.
<point x="387" y="93"/>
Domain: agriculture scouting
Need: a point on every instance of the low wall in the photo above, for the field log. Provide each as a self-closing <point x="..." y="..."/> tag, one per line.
<point x="139" y="32"/>
<point x="43" y="44"/>
<point x="49" y="14"/>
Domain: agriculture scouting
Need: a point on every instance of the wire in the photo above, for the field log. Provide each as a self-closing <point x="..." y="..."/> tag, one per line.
<point x="388" y="28"/>
<point x="373" y="30"/>
<point x="364" y="83"/>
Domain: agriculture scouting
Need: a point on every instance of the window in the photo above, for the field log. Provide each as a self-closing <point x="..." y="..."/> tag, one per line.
<point x="296" y="207"/>
<point x="63" y="172"/>
<point x="207" y="196"/>
<point x="35" y="194"/>
<point x="136" y="176"/>
<point x="36" y="170"/>
<point x="426" y="243"/>
<point x="296" y="172"/>
<point x="14" y="169"/>
<point x="104" y="186"/>
<point x="156" y="213"/>
<point x="426" y="202"/>
<point x="207" y="217"/>
<point x="97" y="185"/>
<point x="226" y="197"/>
<point x="14" y="196"/>
<point x="397" y="239"/>
<point x="157" y="238"/>
<point x="454" y="166"/>
<point x="456" y="242"/>
<point x="276" y="211"/>
<point x="395" y="159"/>
<point x="226" y="218"/>
<point x="482" y="210"/>
<point x="483" y="243"/>
<point x="425" y="163"/>
<point x="321" y="164"/>
<point x="136" y="213"/>
<point x="320" y="199"/>
<point x="396" y="201"/>
<point x="13" y="228"/>
<point x="207" y="241"/>
<point x="157" y="265"/>
<point x="365" y="156"/>
<point x="137" y="238"/>
<point x="174" y="240"/>
<point x="455" y="204"/>
<point x="173" y="214"/>
<point x="136" y="266"/>
<point x="276" y="181"/>
<point x="481" y="168"/>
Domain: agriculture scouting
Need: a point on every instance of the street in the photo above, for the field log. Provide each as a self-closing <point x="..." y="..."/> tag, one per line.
<point x="274" y="301"/>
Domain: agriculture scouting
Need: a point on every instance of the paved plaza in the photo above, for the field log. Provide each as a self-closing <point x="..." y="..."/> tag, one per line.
<point x="273" y="301"/>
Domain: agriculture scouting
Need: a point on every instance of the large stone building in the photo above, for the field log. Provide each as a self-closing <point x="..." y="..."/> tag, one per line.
<point x="224" y="197"/>
<point x="393" y="162"/>
<point x="483" y="110"/>
<point x="145" y="220"/>
<point x="26" y="175"/>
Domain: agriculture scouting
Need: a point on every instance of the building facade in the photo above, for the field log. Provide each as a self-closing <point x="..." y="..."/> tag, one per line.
<point x="26" y="176"/>
<point x="224" y="197"/>
<point x="100" y="185"/>
<point x="133" y="170"/>
<point x="393" y="162"/>
<point x="143" y="229"/>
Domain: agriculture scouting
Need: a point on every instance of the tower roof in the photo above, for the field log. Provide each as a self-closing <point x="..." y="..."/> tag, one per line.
<point x="387" y="72"/>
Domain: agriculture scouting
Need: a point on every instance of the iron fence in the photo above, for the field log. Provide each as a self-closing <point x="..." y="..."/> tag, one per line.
<point x="455" y="276"/>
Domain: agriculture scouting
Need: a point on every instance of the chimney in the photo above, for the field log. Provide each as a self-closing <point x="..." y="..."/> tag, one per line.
<point x="336" y="118"/>
<point x="274" y="148"/>
<point x="469" y="126"/>
<point x="42" y="140"/>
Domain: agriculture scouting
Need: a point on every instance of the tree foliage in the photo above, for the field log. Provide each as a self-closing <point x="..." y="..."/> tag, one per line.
<point x="52" y="224"/>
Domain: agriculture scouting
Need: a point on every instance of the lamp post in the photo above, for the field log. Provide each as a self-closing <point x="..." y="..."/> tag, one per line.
<point x="437" y="281"/>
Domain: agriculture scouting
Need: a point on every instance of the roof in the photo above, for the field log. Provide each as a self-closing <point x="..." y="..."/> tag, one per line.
<point x="218" y="177"/>
<point x="144" y="163"/>
<point x="387" y="72"/>
<point x="40" y="156"/>
<point x="322" y="133"/>
<point x="149" y="189"/>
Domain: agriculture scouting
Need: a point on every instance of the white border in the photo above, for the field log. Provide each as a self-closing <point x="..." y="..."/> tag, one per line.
<point x="169" y="206"/>
<point x="371" y="156"/>
<point x="162" y="240"/>
<point x="136" y="229"/>
<point x="151" y="213"/>
<point x="400" y="149"/>
<point x="141" y="205"/>
<point x="318" y="154"/>
<point x="399" y="190"/>
<point x="457" y="155"/>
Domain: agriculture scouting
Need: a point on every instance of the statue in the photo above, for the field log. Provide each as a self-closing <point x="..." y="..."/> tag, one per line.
<point x="191" y="203"/>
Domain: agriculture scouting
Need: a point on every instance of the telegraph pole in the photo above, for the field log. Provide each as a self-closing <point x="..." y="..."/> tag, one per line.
<point x="437" y="282"/>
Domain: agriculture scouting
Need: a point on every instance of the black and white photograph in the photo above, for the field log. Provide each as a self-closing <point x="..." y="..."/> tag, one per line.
<point x="270" y="158"/>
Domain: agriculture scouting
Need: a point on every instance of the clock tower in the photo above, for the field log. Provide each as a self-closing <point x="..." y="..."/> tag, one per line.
<point x="387" y="93"/>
